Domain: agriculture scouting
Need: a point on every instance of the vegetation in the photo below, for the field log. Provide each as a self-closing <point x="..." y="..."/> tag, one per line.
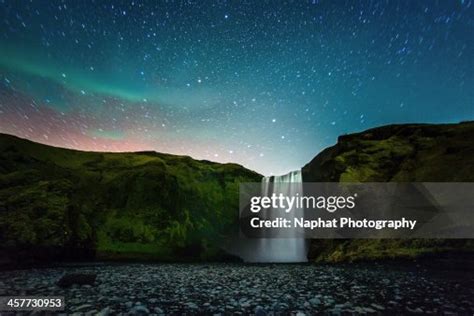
<point x="114" y="205"/>
<point x="398" y="153"/>
<point x="57" y="203"/>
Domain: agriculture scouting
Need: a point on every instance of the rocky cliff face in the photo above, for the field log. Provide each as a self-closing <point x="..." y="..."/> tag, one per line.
<point x="398" y="153"/>
<point x="57" y="203"/>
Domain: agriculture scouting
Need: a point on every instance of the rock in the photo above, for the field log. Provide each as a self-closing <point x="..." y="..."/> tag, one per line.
<point x="283" y="306"/>
<point x="259" y="311"/>
<point x="69" y="279"/>
<point x="335" y="311"/>
<point x="192" y="305"/>
<point x="359" y="309"/>
<point x="417" y="310"/>
<point x="104" y="312"/>
<point x="184" y="289"/>
<point x="315" y="301"/>
<point x="83" y="307"/>
<point x="139" y="310"/>
<point x="328" y="301"/>
<point x="379" y="307"/>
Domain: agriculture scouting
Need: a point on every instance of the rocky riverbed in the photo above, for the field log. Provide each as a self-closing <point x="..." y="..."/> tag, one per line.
<point x="249" y="289"/>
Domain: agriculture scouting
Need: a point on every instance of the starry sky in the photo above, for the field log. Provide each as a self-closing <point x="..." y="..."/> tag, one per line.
<point x="266" y="84"/>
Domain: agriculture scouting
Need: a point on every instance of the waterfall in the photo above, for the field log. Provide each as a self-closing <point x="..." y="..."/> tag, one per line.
<point x="289" y="249"/>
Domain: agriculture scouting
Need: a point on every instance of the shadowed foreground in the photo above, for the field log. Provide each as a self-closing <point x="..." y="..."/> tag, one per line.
<point x="249" y="289"/>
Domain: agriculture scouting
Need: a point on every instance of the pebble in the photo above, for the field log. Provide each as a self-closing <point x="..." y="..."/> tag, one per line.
<point x="259" y="311"/>
<point x="220" y="289"/>
<point x="83" y="307"/>
<point x="104" y="312"/>
<point x="376" y="306"/>
<point x="369" y="310"/>
<point x="139" y="310"/>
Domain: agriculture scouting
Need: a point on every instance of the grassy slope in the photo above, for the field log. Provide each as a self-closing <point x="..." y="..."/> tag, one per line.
<point x="120" y="205"/>
<point x="399" y="153"/>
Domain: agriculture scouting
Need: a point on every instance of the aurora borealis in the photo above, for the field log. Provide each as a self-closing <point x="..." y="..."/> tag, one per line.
<point x="264" y="84"/>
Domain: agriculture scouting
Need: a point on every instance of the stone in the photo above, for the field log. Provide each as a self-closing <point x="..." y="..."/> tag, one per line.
<point x="192" y="305"/>
<point x="104" y="312"/>
<point x="83" y="307"/>
<point x="259" y="311"/>
<point x="139" y="310"/>
<point x="376" y="306"/>
<point x="184" y="289"/>
<point x="69" y="279"/>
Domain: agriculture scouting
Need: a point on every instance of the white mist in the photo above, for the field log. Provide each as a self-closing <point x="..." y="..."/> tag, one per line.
<point x="289" y="249"/>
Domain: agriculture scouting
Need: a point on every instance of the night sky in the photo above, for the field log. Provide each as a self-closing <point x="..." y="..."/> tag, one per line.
<point x="264" y="84"/>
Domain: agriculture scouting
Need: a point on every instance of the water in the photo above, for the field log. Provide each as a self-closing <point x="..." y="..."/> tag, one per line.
<point x="288" y="249"/>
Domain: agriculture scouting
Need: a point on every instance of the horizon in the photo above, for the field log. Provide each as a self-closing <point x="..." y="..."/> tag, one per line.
<point x="227" y="162"/>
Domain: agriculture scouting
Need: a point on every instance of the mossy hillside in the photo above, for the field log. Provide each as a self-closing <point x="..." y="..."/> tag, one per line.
<point x="121" y="205"/>
<point x="397" y="153"/>
<point x="334" y="251"/>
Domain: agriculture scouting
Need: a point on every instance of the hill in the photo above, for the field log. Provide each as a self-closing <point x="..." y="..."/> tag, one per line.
<point x="64" y="204"/>
<point x="394" y="153"/>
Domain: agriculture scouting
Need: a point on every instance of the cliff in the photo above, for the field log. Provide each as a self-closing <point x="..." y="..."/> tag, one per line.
<point x="64" y="204"/>
<point x="397" y="153"/>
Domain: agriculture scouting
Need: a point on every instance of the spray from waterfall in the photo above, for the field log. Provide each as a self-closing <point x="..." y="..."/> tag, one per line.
<point x="288" y="249"/>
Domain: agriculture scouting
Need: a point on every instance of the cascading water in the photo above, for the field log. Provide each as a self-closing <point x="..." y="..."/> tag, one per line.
<point x="288" y="249"/>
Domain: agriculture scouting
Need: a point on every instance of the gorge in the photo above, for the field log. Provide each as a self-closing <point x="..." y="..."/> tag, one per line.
<point x="58" y="204"/>
<point x="82" y="212"/>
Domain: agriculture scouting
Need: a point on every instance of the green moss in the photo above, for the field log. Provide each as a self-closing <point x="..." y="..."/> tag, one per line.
<point x="376" y="249"/>
<point x="372" y="159"/>
<point x="119" y="204"/>
<point x="396" y="153"/>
